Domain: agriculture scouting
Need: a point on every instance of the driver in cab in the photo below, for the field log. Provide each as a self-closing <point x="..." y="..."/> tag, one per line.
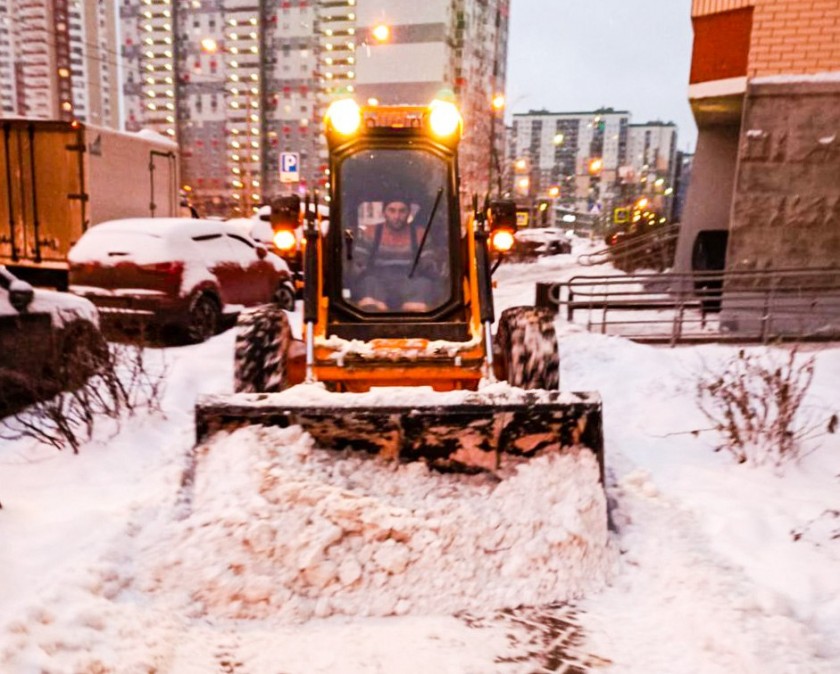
<point x="389" y="274"/>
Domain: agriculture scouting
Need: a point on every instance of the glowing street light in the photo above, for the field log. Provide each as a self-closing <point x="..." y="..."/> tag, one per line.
<point x="381" y="32"/>
<point x="498" y="101"/>
<point x="558" y="139"/>
<point x="209" y="45"/>
<point x="554" y="192"/>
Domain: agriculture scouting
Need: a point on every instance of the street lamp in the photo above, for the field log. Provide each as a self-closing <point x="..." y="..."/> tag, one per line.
<point x="381" y="32"/>
<point x="209" y="45"/>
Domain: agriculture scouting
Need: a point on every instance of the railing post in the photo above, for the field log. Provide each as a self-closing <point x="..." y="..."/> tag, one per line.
<point x="766" y="317"/>
<point x="570" y="310"/>
<point x="676" y="331"/>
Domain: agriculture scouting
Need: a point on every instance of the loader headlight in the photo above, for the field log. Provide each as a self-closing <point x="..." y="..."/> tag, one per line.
<point x="345" y="116"/>
<point x="444" y="118"/>
<point x="501" y="240"/>
<point x="284" y="240"/>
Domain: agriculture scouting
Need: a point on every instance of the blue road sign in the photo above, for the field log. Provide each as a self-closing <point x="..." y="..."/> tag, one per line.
<point x="289" y="167"/>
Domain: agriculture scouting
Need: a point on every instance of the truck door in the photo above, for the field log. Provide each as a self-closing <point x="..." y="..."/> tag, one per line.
<point x="163" y="196"/>
<point x="42" y="198"/>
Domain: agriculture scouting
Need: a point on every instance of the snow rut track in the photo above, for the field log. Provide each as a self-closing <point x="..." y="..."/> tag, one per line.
<point x="548" y="638"/>
<point x="227" y="658"/>
<point x="677" y="588"/>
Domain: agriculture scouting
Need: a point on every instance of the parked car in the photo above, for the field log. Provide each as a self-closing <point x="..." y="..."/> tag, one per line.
<point x="531" y="243"/>
<point x="49" y="342"/>
<point x="181" y="272"/>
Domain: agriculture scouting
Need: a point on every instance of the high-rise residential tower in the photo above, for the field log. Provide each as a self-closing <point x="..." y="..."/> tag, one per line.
<point x="239" y="82"/>
<point x="578" y="153"/>
<point x="58" y="60"/>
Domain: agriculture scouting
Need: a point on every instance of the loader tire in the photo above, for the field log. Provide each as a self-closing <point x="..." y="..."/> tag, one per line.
<point x="263" y="336"/>
<point x="526" y="345"/>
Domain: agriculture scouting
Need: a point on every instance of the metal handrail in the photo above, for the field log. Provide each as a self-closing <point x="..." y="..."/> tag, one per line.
<point x="629" y="246"/>
<point x="678" y="307"/>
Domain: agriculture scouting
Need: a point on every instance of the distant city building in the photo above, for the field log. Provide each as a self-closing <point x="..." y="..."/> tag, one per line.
<point x="579" y="153"/>
<point x="652" y="152"/>
<point x="590" y="162"/>
<point x="58" y="61"/>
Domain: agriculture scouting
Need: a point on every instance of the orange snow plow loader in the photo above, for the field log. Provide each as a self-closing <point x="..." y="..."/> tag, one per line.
<point x="398" y="355"/>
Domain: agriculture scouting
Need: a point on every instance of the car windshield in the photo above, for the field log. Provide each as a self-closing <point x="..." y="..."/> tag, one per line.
<point x="395" y="244"/>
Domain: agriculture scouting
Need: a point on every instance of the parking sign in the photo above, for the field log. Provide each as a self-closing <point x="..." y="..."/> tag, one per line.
<point x="289" y="167"/>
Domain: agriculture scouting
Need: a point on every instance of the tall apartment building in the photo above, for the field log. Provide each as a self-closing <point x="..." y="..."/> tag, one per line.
<point x="652" y="150"/>
<point x="246" y="80"/>
<point x="652" y="165"/>
<point x="581" y="153"/>
<point x="592" y="161"/>
<point x="8" y="88"/>
<point x="58" y="60"/>
<point x="431" y="46"/>
<point x="765" y="92"/>
<point x="234" y="82"/>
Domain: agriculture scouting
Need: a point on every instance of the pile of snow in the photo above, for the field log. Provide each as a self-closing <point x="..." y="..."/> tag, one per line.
<point x="280" y="529"/>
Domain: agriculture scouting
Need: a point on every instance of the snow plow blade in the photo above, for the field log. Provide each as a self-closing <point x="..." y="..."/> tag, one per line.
<point x="456" y="430"/>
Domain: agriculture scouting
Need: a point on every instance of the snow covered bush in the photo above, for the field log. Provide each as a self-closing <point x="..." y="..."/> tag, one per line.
<point x="754" y="403"/>
<point x="102" y="382"/>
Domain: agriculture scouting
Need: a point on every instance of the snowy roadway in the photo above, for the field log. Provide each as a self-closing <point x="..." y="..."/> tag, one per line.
<point x="285" y="559"/>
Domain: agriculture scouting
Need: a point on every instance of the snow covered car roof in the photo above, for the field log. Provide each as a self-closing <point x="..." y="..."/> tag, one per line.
<point x="541" y="234"/>
<point x="62" y="307"/>
<point x="173" y="235"/>
<point x="168" y="227"/>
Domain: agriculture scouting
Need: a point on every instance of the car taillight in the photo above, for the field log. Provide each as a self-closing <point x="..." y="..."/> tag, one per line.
<point x="83" y="267"/>
<point x="169" y="268"/>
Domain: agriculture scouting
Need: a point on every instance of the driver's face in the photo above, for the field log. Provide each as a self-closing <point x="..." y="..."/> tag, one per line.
<point x="396" y="214"/>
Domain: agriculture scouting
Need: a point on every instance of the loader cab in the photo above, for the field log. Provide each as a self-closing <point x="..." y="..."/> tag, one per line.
<point x="393" y="262"/>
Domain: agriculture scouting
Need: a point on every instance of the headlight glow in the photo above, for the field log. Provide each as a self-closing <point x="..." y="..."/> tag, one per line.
<point x="444" y="118"/>
<point x="345" y="116"/>
<point x="502" y="240"/>
<point x="284" y="240"/>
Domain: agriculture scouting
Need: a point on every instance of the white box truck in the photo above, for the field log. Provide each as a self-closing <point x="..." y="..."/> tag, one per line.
<point x="59" y="178"/>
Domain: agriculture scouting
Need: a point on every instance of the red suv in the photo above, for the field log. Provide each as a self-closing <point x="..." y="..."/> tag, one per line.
<point x="176" y="271"/>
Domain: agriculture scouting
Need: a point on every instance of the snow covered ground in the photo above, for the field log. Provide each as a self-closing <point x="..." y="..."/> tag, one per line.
<point x="283" y="558"/>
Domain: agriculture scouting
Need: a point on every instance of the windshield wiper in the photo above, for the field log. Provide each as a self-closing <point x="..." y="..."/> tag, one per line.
<point x="426" y="233"/>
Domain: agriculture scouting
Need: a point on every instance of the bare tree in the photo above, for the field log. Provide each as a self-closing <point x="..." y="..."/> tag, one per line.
<point x="98" y="382"/>
<point x="754" y="403"/>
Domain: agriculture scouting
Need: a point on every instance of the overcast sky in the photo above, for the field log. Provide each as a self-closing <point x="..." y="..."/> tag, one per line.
<point x="579" y="55"/>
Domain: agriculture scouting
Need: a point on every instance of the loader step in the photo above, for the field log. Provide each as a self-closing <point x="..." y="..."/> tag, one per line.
<point x="459" y="428"/>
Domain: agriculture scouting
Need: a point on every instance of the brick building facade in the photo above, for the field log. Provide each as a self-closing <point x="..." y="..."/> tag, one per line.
<point x="765" y="92"/>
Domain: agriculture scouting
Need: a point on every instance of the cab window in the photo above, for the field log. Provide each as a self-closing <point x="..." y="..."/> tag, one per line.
<point x="395" y="244"/>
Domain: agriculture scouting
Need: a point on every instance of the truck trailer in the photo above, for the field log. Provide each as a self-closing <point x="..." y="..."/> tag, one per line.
<point x="58" y="178"/>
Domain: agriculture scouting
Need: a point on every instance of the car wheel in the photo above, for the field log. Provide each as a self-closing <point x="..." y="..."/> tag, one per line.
<point x="263" y="337"/>
<point x="284" y="297"/>
<point x="526" y="345"/>
<point x="204" y="318"/>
